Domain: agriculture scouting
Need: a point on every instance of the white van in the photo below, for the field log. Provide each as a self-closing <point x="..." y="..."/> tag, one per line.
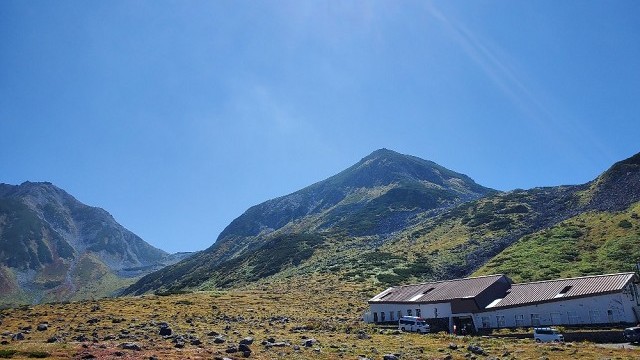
<point x="413" y="324"/>
<point x="547" y="335"/>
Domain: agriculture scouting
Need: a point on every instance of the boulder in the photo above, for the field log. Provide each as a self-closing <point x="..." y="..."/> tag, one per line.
<point x="130" y="346"/>
<point x="219" y="339"/>
<point x="42" y="327"/>
<point x="247" y="341"/>
<point x="52" y="339"/>
<point x="476" y="349"/>
<point x="165" y="330"/>
<point x="309" y="342"/>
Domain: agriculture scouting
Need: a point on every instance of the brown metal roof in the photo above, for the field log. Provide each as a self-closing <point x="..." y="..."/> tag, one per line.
<point x="438" y="291"/>
<point x="553" y="290"/>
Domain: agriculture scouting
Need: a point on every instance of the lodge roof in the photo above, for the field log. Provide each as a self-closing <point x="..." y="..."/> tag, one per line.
<point x="438" y="291"/>
<point x="561" y="289"/>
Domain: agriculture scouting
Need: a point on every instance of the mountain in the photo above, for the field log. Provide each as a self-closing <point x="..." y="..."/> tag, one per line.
<point x="380" y="195"/>
<point x="54" y="248"/>
<point x="394" y="218"/>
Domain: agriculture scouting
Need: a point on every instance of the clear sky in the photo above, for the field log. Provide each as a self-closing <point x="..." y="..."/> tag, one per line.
<point x="176" y="116"/>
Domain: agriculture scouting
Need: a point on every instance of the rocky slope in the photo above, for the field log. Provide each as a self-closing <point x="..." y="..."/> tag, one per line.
<point x="52" y="247"/>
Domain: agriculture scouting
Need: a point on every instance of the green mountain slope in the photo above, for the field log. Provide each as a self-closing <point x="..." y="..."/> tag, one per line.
<point x="52" y="247"/>
<point x="373" y="199"/>
<point x="429" y="242"/>
<point x="595" y="242"/>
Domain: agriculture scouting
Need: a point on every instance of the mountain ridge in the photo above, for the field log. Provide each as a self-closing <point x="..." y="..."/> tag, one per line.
<point x="55" y="248"/>
<point x="389" y="187"/>
<point x="430" y="243"/>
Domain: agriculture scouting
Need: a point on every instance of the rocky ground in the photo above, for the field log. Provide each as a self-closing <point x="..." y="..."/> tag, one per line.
<point x="310" y="318"/>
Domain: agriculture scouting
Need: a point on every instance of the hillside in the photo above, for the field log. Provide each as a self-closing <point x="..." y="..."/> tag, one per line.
<point x="53" y="248"/>
<point x="471" y="227"/>
<point x="380" y="195"/>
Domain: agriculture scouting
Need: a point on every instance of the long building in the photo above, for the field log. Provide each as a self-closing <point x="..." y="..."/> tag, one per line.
<point x="490" y="302"/>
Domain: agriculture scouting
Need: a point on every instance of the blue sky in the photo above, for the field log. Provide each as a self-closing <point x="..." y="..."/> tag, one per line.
<point x="176" y="116"/>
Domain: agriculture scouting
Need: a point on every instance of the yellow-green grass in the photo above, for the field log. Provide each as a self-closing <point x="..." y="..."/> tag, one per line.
<point x="318" y="307"/>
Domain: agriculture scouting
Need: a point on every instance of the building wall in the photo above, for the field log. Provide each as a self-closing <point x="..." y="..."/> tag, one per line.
<point x="428" y="311"/>
<point x="603" y="309"/>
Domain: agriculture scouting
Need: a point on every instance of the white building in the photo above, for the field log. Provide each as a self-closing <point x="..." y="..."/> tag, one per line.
<point x="494" y="302"/>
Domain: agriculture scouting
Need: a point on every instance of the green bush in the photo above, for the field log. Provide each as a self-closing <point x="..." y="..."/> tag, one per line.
<point x="625" y="224"/>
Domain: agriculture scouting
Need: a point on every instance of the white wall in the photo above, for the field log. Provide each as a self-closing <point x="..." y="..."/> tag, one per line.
<point x="427" y="311"/>
<point x="603" y="309"/>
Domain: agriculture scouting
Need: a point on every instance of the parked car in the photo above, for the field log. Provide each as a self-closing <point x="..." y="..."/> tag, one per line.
<point x="413" y="324"/>
<point x="541" y="335"/>
<point x="632" y="334"/>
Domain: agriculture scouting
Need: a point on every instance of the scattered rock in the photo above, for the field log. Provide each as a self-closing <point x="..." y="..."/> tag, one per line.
<point x="165" y="330"/>
<point x="246" y="354"/>
<point x="243" y="347"/>
<point x="87" y="356"/>
<point x="42" y="327"/>
<point x="213" y="333"/>
<point x="196" y="342"/>
<point x="247" y="341"/>
<point x="52" y="340"/>
<point x="309" y="342"/>
<point x="18" y="336"/>
<point x="179" y="344"/>
<point x="453" y="346"/>
<point x="390" y="357"/>
<point x="130" y="346"/>
<point x="81" y="338"/>
<point x="219" y="339"/>
<point x="231" y="349"/>
<point x="476" y="349"/>
<point x="93" y="321"/>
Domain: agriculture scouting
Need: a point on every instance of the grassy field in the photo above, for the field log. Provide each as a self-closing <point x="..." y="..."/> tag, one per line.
<point x="288" y="313"/>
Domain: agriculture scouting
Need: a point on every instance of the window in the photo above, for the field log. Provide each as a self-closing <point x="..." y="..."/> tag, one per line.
<point x="519" y="320"/>
<point x="486" y="322"/>
<point x="418" y="312"/>
<point x="564" y="291"/>
<point x="535" y="319"/>
<point x="382" y="316"/>
<point x="500" y="321"/>
<point x="408" y="312"/>
<point x="399" y="314"/>
<point x="613" y="315"/>
<point x="390" y="315"/>
<point x="375" y="317"/>
<point x="594" y="316"/>
<point x="573" y="317"/>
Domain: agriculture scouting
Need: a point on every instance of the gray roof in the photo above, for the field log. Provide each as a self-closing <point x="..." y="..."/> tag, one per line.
<point x="437" y="291"/>
<point x="554" y="290"/>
